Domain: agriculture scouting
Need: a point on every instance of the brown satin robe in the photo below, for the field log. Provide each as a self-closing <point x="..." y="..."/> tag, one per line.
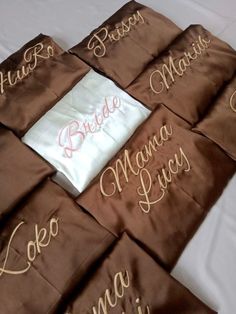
<point x="48" y="264"/>
<point x="219" y="124"/>
<point x="191" y="91"/>
<point x="22" y="104"/>
<point x="21" y="170"/>
<point x="135" y="197"/>
<point x="125" y="57"/>
<point x="136" y="284"/>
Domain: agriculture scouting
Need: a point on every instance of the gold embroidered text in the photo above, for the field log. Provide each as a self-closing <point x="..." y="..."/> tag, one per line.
<point x="97" y="41"/>
<point x="31" y="56"/>
<point x="233" y="102"/>
<point x="42" y="240"/>
<point x="161" y="79"/>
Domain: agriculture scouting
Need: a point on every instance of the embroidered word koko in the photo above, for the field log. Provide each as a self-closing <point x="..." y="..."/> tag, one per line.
<point x="79" y="130"/>
<point x="233" y="102"/>
<point x="42" y="240"/>
<point x="161" y="79"/>
<point x="109" y="300"/>
<point x="164" y="178"/>
<point x="31" y="56"/>
<point x="97" y="41"/>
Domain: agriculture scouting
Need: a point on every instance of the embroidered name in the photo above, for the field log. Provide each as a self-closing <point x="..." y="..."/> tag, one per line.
<point x="163" y="78"/>
<point x="97" y="41"/>
<point x="233" y="101"/>
<point x="165" y="175"/>
<point x="110" y="298"/>
<point x="72" y="135"/>
<point x="34" y="247"/>
<point x="31" y="56"/>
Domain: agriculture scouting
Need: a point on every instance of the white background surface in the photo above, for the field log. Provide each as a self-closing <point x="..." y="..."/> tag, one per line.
<point x="208" y="265"/>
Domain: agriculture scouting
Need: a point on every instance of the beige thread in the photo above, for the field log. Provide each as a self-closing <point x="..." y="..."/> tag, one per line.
<point x="96" y="42"/>
<point x="32" y="246"/>
<point x="31" y="57"/>
<point x="120" y="283"/>
<point x="126" y="166"/>
<point x="171" y="69"/>
<point x="232" y="104"/>
<point x="164" y="177"/>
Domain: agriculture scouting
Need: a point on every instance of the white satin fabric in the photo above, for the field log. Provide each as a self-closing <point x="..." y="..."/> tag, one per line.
<point x="86" y="128"/>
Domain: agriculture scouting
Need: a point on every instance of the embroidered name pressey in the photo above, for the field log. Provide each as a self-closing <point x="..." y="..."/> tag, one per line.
<point x="161" y="79"/>
<point x="233" y="101"/>
<point x="42" y="240"/>
<point x="97" y="42"/>
<point x="112" y="296"/>
<point x="32" y="57"/>
<point x="124" y="168"/>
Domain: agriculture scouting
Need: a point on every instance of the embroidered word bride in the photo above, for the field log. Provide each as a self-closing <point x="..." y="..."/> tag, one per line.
<point x="72" y="135"/>
<point x="31" y="56"/>
<point x="126" y="168"/>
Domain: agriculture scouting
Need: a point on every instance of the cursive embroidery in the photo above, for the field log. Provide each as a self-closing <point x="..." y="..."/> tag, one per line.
<point x="161" y="79"/>
<point x="110" y="298"/>
<point x="97" y="41"/>
<point x="72" y="135"/>
<point x="233" y="101"/>
<point x="142" y="157"/>
<point x="42" y="240"/>
<point x="31" y="56"/>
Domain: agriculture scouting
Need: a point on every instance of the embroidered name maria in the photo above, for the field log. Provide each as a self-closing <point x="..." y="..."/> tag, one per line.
<point x="97" y="41"/>
<point x="162" y="79"/>
<point x="31" y="56"/>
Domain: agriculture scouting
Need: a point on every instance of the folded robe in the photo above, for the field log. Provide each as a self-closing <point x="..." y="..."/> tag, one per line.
<point x="86" y="128"/>
<point x="33" y="79"/>
<point x="125" y="43"/>
<point x="187" y="75"/>
<point x="129" y="281"/>
<point x="219" y="124"/>
<point x="45" y="249"/>
<point x="21" y="170"/>
<point x="160" y="185"/>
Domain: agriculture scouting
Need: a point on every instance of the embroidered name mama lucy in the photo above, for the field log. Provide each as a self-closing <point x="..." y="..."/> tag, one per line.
<point x="42" y="240"/>
<point x="97" y="41"/>
<point x="72" y="135"/>
<point x="165" y="175"/>
<point x="161" y="79"/>
<point x="31" y="56"/>
<point x="109" y="300"/>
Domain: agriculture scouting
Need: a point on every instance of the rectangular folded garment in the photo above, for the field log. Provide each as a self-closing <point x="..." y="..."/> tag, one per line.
<point x="187" y="75"/>
<point x="33" y="79"/>
<point x="125" y="43"/>
<point x="160" y="186"/>
<point x="129" y="281"/>
<point x="46" y="247"/>
<point x="219" y="124"/>
<point x="21" y="170"/>
<point x="86" y="128"/>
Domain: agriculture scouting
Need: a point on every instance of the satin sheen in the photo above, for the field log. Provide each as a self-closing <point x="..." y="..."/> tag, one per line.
<point x="50" y="138"/>
<point x="135" y="284"/>
<point x="125" y="59"/>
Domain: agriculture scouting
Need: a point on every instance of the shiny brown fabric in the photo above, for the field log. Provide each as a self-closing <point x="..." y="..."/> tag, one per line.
<point x="55" y="261"/>
<point x="24" y="103"/>
<point x="136" y="284"/>
<point x="165" y="223"/>
<point x="21" y="170"/>
<point x="123" y="60"/>
<point x="219" y="124"/>
<point x="193" y="90"/>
